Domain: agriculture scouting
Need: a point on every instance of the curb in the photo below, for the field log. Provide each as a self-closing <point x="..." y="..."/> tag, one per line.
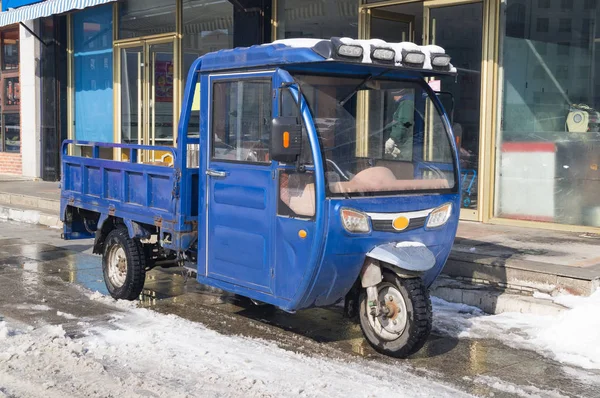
<point x="14" y="199"/>
<point x="29" y="217"/>
<point x="490" y="300"/>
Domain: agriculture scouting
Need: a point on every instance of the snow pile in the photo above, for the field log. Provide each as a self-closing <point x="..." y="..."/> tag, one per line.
<point x="573" y="337"/>
<point x="141" y="353"/>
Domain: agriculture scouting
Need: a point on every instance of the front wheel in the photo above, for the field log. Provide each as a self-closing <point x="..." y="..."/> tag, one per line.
<point x="123" y="265"/>
<point x="404" y="322"/>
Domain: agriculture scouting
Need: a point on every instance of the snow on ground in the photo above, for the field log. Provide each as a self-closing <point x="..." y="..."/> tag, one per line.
<point x="520" y="391"/>
<point x="572" y="337"/>
<point x="141" y="353"/>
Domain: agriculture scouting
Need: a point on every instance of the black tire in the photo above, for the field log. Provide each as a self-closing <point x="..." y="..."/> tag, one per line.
<point x="135" y="267"/>
<point x="418" y="324"/>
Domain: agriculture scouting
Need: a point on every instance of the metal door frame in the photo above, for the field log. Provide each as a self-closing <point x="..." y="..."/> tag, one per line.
<point x="487" y="112"/>
<point x="145" y="86"/>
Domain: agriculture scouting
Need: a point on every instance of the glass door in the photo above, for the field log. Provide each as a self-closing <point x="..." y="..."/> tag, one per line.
<point x="392" y="26"/>
<point x="131" y="99"/>
<point x="458" y="28"/>
<point x="147" y="106"/>
<point x="161" y="86"/>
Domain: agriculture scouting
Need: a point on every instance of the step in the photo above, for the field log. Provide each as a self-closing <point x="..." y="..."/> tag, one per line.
<point x="522" y="275"/>
<point x="49" y="206"/>
<point x="492" y="299"/>
<point x="30" y="215"/>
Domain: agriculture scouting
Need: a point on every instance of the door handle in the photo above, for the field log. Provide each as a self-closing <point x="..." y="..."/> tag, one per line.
<point x="215" y="173"/>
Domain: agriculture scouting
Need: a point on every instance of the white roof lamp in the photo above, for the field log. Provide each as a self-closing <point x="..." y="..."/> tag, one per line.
<point x="382" y="52"/>
<point x="409" y="55"/>
<point x="437" y="59"/>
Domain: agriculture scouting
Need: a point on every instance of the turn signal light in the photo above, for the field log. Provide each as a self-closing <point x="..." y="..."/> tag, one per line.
<point x="355" y="221"/>
<point x="439" y="216"/>
<point x="286" y="139"/>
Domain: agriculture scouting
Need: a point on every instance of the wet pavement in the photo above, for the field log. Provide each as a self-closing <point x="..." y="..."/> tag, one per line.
<point x="38" y="271"/>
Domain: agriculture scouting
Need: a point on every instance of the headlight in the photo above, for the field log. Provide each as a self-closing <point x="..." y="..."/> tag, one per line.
<point x="383" y="54"/>
<point x="440" y="60"/>
<point x="439" y="216"/>
<point x="414" y="58"/>
<point x="346" y="50"/>
<point x="355" y="221"/>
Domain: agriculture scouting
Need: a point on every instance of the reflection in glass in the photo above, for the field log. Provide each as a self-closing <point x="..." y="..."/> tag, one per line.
<point x="161" y="94"/>
<point x="317" y="18"/>
<point x="139" y="18"/>
<point x="458" y="29"/>
<point x="10" y="49"/>
<point x="93" y="74"/>
<point x="12" y="91"/>
<point x="12" y="132"/>
<point x="207" y="27"/>
<point x="549" y="139"/>
<point x="131" y="95"/>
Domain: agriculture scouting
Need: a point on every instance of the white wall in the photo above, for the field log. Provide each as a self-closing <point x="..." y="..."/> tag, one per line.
<point x="30" y="102"/>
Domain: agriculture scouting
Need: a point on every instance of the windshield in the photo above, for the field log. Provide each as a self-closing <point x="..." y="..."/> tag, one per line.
<point x="379" y="137"/>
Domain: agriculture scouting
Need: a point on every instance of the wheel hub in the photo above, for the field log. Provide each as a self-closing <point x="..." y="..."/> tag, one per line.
<point x="117" y="266"/>
<point x="391" y="322"/>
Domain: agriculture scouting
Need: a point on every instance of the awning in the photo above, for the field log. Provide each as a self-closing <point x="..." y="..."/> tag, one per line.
<point x="45" y="9"/>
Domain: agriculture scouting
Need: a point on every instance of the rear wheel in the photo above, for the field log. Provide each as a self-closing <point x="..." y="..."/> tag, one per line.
<point x="404" y="323"/>
<point x="123" y="265"/>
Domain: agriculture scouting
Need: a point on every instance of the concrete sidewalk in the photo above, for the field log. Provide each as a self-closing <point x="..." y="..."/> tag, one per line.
<point x="488" y="267"/>
<point x="34" y="202"/>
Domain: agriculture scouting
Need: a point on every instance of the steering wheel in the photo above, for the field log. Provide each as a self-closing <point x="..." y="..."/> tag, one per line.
<point x="333" y="165"/>
<point x="428" y="166"/>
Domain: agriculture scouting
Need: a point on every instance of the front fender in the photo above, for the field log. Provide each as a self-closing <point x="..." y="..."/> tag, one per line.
<point x="408" y="256"/>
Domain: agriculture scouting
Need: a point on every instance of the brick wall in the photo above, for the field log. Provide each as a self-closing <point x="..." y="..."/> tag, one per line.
<point x="10" y="163"/>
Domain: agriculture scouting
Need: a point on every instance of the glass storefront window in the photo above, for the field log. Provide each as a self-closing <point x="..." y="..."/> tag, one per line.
<point x="317" y="18"/>
<point x="11" y="123"/>
<point x="10" y="92"/>
<point x="549" y="140"/>
<point x="139" y="18"/>
<point x="93" y="64"/>
<point x="10" y="50"/>
<point x="207" y="27"/>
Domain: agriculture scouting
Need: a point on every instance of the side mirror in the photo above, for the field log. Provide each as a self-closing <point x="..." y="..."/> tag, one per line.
<point x="286" y="139"/>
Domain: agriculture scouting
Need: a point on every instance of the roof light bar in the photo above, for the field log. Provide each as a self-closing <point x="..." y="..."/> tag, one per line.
<point x="404" y="54"/>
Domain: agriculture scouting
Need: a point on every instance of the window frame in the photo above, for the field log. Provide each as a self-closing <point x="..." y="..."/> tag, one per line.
<point x="266" y="78"/>
<point x="5" y="74"/>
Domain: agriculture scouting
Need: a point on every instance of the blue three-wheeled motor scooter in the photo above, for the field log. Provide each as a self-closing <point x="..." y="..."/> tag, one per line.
<point x="321" y="171"/>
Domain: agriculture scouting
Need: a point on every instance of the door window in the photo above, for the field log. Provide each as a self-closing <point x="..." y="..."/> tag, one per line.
<point x="241" y="127"/>
<point x="296" y="189"/>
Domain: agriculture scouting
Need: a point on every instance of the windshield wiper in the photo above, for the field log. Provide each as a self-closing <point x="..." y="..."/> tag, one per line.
<point x="360" y="86"/>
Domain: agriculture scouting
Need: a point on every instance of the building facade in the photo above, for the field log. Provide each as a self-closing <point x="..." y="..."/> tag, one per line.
<point x="524" y="106"/>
